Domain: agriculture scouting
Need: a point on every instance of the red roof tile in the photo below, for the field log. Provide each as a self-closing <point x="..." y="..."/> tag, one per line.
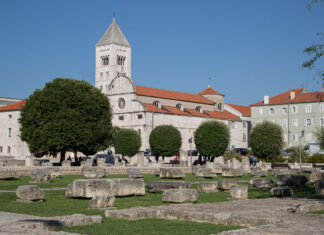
<point x="245" y="110"/>
<point x="174" y="110"/>
<point x="194" y="112"/>
<point x="301" y="96"/>
<point x="173" y="95"/>
<point x="15" y="106"/>
<point x="153" y="109"/>
<point x="222" y="115"/>
<point x="209" y="91"/>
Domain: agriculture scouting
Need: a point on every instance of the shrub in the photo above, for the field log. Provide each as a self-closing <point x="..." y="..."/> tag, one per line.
<point x="127" y="142"/>
<point x="165" y="140"/>
<point x="294" y="157"/>
<point x="266" y="140"/>
<point x="319" y="135"/>
<point x="316" y="158"/>
<point x="212" y="138"/>
<point x="276" y="159"/>
<point x="230" y="154"/>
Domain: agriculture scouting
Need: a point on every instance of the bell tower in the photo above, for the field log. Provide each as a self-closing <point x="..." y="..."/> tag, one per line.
<point x="113" y="57"/>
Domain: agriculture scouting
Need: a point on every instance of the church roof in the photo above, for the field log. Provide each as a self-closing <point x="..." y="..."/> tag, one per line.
<point x="15" y="106"/>
<point x="113" y="35"/>
<point x="172" y="95"/>
<point x="209" y="91"/>
<point x="244" y="110"/>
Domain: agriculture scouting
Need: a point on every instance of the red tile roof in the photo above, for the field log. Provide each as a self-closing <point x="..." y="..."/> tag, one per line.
<point x="209" y="91"/>
<point x="175" y="110"/>
<point x="15" y="106"/>
<point x="194" y="112"/>
<point x="222" y="115"/>
<point x="173" y="95"/>
<point x="301" y="96"/>
<point x="152" y="108"/>
<point x="245" y="110"/>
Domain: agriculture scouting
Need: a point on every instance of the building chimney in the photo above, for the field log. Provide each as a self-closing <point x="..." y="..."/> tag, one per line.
<point x="266" y="99"/>
<point x="292" y="95"/>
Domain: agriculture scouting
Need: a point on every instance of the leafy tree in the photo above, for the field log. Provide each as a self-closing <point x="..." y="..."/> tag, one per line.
<point x="212" y="138"/>
<point x="319" y="135"/>
<point x="165" y="140"/>
<point x="295" y="155"/>
<point x="266" y="140"/>
<point x="66" y="115"/>
<point x="127" y="142"/>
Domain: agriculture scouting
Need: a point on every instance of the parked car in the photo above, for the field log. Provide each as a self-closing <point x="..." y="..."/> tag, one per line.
<point x="241" y="151"/>
<point x="313" y="147"/>
<point x="148" y="152"/>
<point x="193" y="152"/>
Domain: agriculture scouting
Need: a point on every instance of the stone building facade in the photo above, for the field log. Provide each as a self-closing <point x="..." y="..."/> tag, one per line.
<point x="298" y="112"/>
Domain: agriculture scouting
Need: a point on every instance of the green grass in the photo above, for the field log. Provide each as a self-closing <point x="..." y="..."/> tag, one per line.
<point x="318" y="212"/>
<point x="150" y="226"/>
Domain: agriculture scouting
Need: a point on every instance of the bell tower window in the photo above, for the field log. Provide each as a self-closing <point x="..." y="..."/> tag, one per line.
<point x="105" y="60"/>
<point x="121" y="60"/>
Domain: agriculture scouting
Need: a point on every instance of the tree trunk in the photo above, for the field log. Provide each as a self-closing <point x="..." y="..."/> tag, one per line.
<point x="62" y="156"/>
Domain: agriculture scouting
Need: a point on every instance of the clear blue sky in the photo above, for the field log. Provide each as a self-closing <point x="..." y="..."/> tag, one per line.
<point x="248" y="48"/>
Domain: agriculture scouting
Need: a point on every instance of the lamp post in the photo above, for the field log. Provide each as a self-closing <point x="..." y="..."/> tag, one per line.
<point x="190" y="143"/>
<point x="300" y="147"/>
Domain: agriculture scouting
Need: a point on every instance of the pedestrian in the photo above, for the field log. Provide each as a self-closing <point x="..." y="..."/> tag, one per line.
<point x="254" y="161"/>
<point x="251" y="160"/>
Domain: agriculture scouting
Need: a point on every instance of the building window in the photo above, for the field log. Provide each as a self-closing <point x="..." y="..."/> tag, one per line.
<point x="294" y="109"/>
<point x="308" y="122"/>
<point x="308" y="108"/>
<point x="244" y="137"/>
<point x="121" y="60"/>
<point x="121" y="103"/>
<point x="260" y="111"/>
<point x="9" y="132"/>
<point x="0" y="149"/>
<point x="271" y="111"/>
<point x="121" y="118"/>
<point x="284" y="110"/>
<point x="9" y="116"/>
<point x="321" y="108"/>
<point x="220" y="106"/>
<point x="179" y="106"/>
<point x="199" y="109"/>
<point x="139" y="132"/>
<point x="244" y="124"/>
<point x="284" y="122"/>
<point x="295" y="137"/>
<point x="321" y="121"/>
<point x="139" y="116"/>
<point x="156" y="104"/>
<point x="105" y="60"/>
<point x="295" y="123"/>
<point x="8" y="149"/>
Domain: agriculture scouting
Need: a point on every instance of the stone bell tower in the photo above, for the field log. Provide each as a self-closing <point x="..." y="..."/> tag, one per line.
<point x="113" y="57"/>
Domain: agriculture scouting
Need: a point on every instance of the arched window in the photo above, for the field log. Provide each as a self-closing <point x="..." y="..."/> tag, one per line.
<point x="121" y="103"/>
<point x="179" y="106"/>
<point x="105" y="59"/>
<point x="156" y="104"/>
<point x="199" y="109"/>
<point x="220" y="106"/>
<point x="321" y="121"/>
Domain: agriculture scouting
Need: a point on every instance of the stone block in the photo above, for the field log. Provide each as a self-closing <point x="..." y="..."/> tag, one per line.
<point x="66" y="163"/>
<point x="156" y="173"/>
<point x="171" y="173"/>
<point x="219" y="160"/>
<point x="205" y="173"/>
<point x="239" y="192"/>
<point x="261" y="183"/>
<point x="42" y="175"/>
<point x="231" y="172"/>
<point x="291" y="180"/>
<point x="280" y="171"/>
<point x="180" y="195"/>
<point x="208" y="187"/>
<point x="29" y="193"/>
<point x="282" y="191"/>
<point x="134" y="173"/>
<point x="101" y="162"/>
<point x="91" y="172"/>
<point x="161" y="186"/>
<point x="316" y="175"/>
<point x="54" y="172"/>
<point x="226" y="184"/>
<point x="128" y="187"/>
<point x="259" y="173"/>
<point x="319" y="187"/>
<point x="218" y="169"/>
<point x="89" y="188"/>
<point x="4" y="175"/>
<point x="102" y="201"/>
<point x="245" y="165"/>
<point x="236" y="163"/>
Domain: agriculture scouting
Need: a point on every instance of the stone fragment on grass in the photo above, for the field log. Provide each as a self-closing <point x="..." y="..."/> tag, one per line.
<point x="161" y="186"/>
<point x="102" y="201"/>
<point x="128" y="187"/>
<point x="226" y="184"/>
<point x="171" y="173"/>
<point x="282" y="191"/>
<point x="5" y="175"/>
<point x="231" y="172"/>
<point x="292" y="180"/>
<point x="89" y="188"/>
<point x="319" y="187"/>
<point x="205" y="173"/>
<point x="239" y="192"/>
<point x="29" y="193"/>
<point x="91" y="172"/>
<point x="208" y="187"/>
<point x="134" y="173"/>
<point x="316" y="175"/>
<point x="41" y="175"/>
<point x="259" y="173"/>
<point x="261" y="183"/>
<point x="180" y="195"/>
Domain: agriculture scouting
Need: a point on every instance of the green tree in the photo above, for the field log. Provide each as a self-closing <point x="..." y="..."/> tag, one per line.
<point x="66" y="115"/>
<point x="212" y="138"/>
<point x="165" y="140"/>
<point x="127" y="142"/>
<point x="319" y="135"/>
<point x="266" y="140"/>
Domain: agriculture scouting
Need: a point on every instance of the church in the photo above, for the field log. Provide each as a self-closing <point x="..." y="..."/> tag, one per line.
<point x="143" y="108"/>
